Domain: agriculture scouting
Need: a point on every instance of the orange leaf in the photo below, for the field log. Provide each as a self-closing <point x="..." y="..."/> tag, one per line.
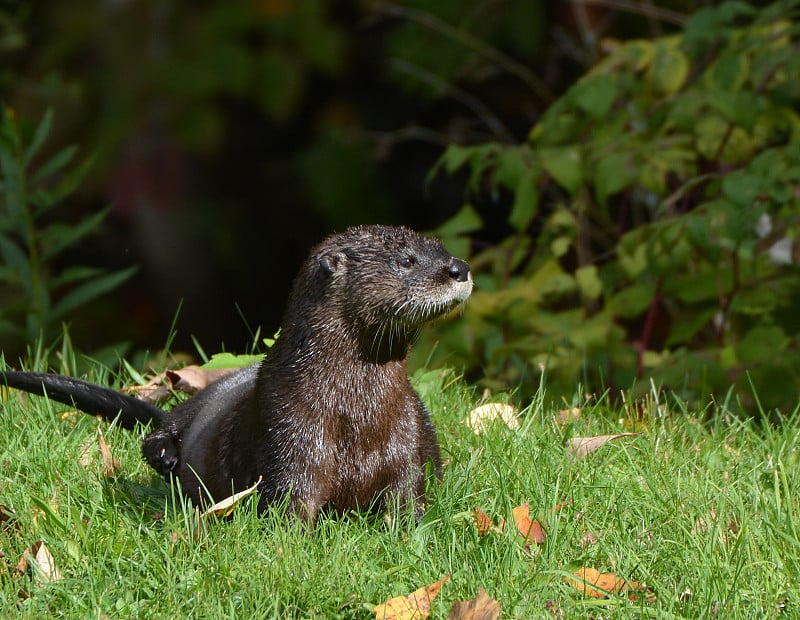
<point x="595" y="584"/>
<point x="579" y="447"/>
<point x="415" y="605"/>
<point x="484" y="523"/>
<point x="482" y="607"/>
<point x="531" y="531"/>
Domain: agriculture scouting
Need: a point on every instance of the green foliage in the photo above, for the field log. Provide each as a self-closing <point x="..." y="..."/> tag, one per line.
<point x="654" y="209"/>
<point x="34" y="296"/>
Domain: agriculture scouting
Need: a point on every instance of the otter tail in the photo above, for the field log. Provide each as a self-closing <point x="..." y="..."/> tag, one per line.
<point x="88" y="397"/>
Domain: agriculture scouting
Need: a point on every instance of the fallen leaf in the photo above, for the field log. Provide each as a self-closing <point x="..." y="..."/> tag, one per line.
<point x="595" y="584"/>
<point x="415" y="605"/>
<point x="562" y="505"/>
<point x="578" y="447"/>
<point x="587" y="539"/>
<point x="189" y="379"/>
<point x="531" y="531"/>
<point x="226" y="506"/>
<point x="45" y="567"/>
<point x="110" y="465"/>
<point x="567" y="416"/>
<point x="85" y="452"/>
<point x="484" y="523"/>
<point x="7" y="518"/>
<point x="192" y="379"/>
<point x="480" y="417"/>
<point x="155" y="391"/>
<point x="482" y="607"/>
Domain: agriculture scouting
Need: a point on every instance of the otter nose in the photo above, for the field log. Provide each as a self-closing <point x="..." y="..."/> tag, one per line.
<point x="459" y="270"/>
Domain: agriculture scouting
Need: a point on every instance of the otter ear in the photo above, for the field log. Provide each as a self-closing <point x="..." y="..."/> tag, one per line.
<point x="331" y="262"/>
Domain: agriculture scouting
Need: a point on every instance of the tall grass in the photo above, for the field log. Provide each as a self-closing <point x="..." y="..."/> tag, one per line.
<point x="700" y="507"/>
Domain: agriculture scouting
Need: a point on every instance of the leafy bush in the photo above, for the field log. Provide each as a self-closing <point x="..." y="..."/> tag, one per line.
<point x="34" y="296"/>
<point x="655" y="209"/>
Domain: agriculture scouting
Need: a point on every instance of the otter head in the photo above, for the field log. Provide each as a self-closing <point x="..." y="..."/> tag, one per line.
<point x="387" y="281"/>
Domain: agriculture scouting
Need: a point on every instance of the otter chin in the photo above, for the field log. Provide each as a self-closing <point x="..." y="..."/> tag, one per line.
<point x="329" y="418"/>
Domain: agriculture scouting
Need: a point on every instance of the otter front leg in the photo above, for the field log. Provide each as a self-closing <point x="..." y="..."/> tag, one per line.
<point x="161" y="451"/>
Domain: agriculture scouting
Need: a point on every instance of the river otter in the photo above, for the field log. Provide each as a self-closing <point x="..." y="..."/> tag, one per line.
<point x="328" y="418"/>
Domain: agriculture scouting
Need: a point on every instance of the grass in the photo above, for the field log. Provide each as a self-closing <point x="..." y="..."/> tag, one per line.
<point x="704" y="514"/>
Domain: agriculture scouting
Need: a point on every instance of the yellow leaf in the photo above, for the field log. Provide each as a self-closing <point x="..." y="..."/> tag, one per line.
<point x="480" y="417"/>
<point x="226" y="506"/>
<point x="415" y="605"/>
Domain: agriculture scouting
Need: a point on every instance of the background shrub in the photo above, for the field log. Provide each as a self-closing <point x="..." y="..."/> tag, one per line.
<point x="654" y="211"/>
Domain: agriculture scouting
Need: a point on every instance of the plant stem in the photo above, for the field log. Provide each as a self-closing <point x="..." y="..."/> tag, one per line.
<point x="647" y="328"/>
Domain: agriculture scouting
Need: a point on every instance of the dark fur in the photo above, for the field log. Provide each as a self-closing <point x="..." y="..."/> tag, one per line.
<point x="329" y="418"/>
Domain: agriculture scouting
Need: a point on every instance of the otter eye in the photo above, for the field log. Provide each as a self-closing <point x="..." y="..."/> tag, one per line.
<point x="407" y="262"/>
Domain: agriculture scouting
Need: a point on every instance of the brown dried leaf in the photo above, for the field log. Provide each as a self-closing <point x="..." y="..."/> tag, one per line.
<point x="484" y="523"/>
<point x="228" y="505"/>
<point x="531" y="531"/>
<point x="595" y="584"/>
<point x="567" y="416"/>
<point x="480" y="417"/>
<point x="8" y="518"/>
<point x="191" y="379"/>
<point x="482" y="607"/>
<point x="578" y="447"/>
<point x="415" y="605"/>
<point x="110" y="465"/>
<point x="156" y="391"/>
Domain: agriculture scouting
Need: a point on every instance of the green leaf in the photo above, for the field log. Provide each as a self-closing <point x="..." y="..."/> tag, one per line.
<point x="614" y="173"/>
<point x="589" y="281"/>
<point x="633" y="300"/>
<point x="71" y="275"/>
<point x="526" y="203"/>
<point x="455" y="156"/>
<point x="669" y="69"/>
<point x="710" y="23"/>
<point x="758" y="301"/>
<point x="511" y="166"/>
<point x="743" y="189"/>
<point x="761" y="344"/>
<point x="687" y="324"/>
<point x="595" y="95"/>
<point x="591" y="332"/>
<point x="730" y="71"/>
<point x="564" y="165"/>
<point x="741" y="108"/>
<point x="229" y="360"/>
<point x="15" y="259"/>
<point x="88" y="291"/>
<point x="39" y="136"/>
<point x="465" y="221"/>
<point x="57" y="236"/>
<point x="702" y="286"/>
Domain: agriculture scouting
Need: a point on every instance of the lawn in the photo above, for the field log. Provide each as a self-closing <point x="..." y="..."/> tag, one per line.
<point x="698" y="511"/>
